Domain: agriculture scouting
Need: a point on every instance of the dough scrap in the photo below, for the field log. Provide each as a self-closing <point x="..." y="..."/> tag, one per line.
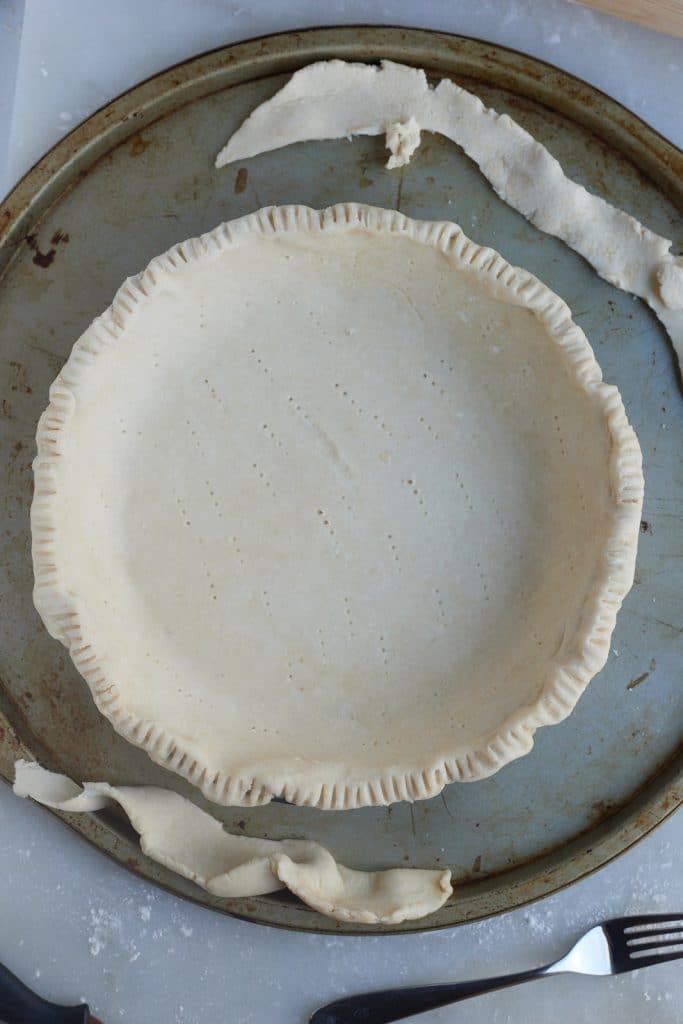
<point x="333" y="99"/>
<point x="403" y="138"/>
<point x="670" y="284"/>
<point x="182" y="837"/>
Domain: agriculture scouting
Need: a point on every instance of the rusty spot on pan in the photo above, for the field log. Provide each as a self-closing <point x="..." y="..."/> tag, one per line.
<point x="138" y="146"/>
<point x="41" y="259"/>
<point x="241" y="180"/>
<point x="45" y="259"/>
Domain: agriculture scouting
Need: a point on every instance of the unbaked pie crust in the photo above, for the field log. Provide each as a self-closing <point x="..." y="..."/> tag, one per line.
<point x="334" y="506"/>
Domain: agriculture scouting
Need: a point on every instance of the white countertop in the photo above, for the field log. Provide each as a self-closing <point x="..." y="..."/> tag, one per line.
<point x="75" y="925"/>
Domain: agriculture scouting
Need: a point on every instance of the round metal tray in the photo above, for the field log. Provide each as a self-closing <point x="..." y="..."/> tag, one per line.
<point x="138" y="176"/>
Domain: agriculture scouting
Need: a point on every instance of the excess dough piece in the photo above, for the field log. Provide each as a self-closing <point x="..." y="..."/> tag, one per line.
<point x="182" y="837"/>
<point x="334" y="98"/>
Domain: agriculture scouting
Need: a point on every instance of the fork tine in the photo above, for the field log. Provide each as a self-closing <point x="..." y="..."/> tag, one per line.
<point x="643" y="921"/>
<point x="655" y="944"/>
<point x="650" y="961"/>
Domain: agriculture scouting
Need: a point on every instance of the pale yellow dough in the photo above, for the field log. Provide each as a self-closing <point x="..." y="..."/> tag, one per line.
<point x="334" y="506"/>
<point x="333" y="99"/>
<point x="190" y="842"/>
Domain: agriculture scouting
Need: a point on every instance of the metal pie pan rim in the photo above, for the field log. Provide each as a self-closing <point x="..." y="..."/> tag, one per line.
<point x="40" y="187"/>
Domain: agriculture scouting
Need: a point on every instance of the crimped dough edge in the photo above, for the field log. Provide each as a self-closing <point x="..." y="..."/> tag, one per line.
<point x="565" y="680"/>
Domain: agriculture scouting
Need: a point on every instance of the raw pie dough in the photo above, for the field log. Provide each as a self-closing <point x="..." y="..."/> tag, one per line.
<point x="333" y="99"/>
<point x="190" y="842"/>
<point x="334" y="506"/>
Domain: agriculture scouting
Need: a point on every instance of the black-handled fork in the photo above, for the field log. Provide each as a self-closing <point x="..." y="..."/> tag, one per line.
<point x="19" y="1005"/>
<point x="623" y="944"/>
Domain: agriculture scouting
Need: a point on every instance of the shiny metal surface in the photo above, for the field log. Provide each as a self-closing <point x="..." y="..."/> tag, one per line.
<point x="609" y="948"/>
<point x="137" y="177"/>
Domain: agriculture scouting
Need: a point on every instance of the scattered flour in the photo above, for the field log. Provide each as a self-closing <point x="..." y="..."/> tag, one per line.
<point x="104" y="925"/>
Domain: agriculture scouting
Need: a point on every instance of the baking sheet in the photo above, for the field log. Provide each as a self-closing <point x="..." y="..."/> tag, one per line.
<point x="137" y="177"/>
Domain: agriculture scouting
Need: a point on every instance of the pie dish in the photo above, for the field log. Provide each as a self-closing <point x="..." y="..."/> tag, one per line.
<point x="334" y="506"/>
